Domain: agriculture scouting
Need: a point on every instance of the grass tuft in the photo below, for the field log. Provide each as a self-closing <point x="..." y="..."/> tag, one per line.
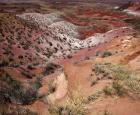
<point x="125" y="81"/>
<point x="73" y="106"/>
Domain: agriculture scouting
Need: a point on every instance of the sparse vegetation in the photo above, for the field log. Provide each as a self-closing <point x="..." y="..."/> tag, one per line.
<point x="73" y="106"/>
<point x="93" y="97"/>
<point x="133" y="84"/>
<point x="3" y="107"/>
<point x="25" y="111"/>
<point x="16" y="93"/>
<point x="108" y="90"/>
<point x="50" y="68"/>
<point x="97" y="53"/>
<point x="30" y="67"/>
<point x="36" y="84"/>
<point x="4" y="110"/>
<point x="26" y="74"/>
<point x="134" y="22"/>
<point x="106" y="54"/>
<point x="106" y="112"/>
<point x="109" y="70"/>
<point x="94" y="83"/>
<point x="124" y="82"/>
<point x="119" y="88"/>
<point x="4" y="62"/>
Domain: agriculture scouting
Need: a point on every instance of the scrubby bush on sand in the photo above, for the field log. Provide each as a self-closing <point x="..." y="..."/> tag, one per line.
<point x="124" y="80"/>
<point x="106" y="54"/>
<point x="15" y="92"/>
<point x="50" y="68"/>
<point x="73" y="106"/>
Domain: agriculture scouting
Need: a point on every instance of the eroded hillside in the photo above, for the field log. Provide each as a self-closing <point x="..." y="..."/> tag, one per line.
<point x="80" y="59"/>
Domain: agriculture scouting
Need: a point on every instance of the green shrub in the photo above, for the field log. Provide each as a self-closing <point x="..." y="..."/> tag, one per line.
<point x="110" y="70"/>
<point x="108" y="90"/>
<point x="122" y="74"/>
<point x="124" y="80"/>
<point x="36" y="84"/>
<point x="133" y="84"/>
<point x="93" y="97"/>
<point x="106" y="54"/>
<point x="119" y="88"/>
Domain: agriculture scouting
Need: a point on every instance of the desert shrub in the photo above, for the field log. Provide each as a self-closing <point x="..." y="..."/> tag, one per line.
<point x="26" y="74"/>
<point x="106" y="54"/>
<point x="124" y="80"/>
<point x="103" y="69"/>
<point x="50" y="68"/>
<point x="20" y="57"/>
<point x="110" y="70"/>
<point x="135" y="23"/>
<point x="55" y="110"/>
<point x="69" y="56"/>
<point x="4" y="62"/>
<point x="97" y="53"/>
<point x="15" y="111"/>
<point x="30" y="67"/>
<point x="133" y="84"/>
<point x="122" y="74"/>
<point x="15" y="65"/>
<point x="76" y="62"/>
<point x="106" y="112"/>
<point x="25" y="111"/>
<point x="73" y="106"/>
<point x="108" y="90"/>
<point x="16" y="92"/>
<point x="3" y="106"/>
<point x="36" y="84"/>
<point x="85" y="19"/>
<point x="93" y="97"/>
<point x="119" y="88"/>
<point x="93" y="82"/>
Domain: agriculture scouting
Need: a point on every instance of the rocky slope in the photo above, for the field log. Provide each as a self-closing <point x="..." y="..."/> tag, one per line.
<point x="47" y="37"/>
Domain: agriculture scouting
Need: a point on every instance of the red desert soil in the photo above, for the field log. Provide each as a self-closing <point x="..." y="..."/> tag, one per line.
<point x="78" y="69"/>
<point x="115" y="106"/>
<point x="80" y="76"/>
<point x="95" y="20"/>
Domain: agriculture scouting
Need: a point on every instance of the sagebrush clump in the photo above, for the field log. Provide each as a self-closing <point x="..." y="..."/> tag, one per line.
<point x="124" y="80"/>
<point x="73" y="106"/>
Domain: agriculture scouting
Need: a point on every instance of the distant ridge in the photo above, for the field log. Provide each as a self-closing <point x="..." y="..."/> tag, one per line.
<point x="100" y="1"/>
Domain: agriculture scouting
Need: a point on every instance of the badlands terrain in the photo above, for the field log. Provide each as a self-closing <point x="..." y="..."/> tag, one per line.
<point x="69" y="57"/>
